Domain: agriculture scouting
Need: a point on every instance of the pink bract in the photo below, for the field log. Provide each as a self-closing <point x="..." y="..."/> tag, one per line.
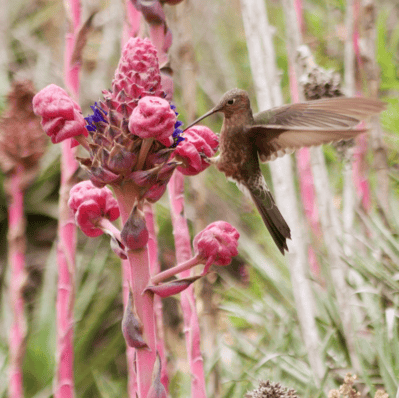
<point x="199" y="143"/>
<point x="90" y="205"/>
<point x="135" y="233"/>
<point x="153" y="118"/>
<point x="61" y="116"/>
<point x="217" y="243"/>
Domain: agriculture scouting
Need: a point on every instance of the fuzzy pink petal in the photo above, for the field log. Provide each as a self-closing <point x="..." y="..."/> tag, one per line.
<point x="90" y="205"/>
<point x="87" y="216"/>
<point x="153" y="117"/>
<point x="61" y="116"/>
<point x="217" y="243"/>
<point x="200" y="143"/>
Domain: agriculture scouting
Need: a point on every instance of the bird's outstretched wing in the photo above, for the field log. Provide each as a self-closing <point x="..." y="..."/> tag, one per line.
<point x="282" y="130"/>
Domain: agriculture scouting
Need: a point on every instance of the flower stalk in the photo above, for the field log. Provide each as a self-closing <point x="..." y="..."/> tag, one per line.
<point x="132" y="136"/>
<point x="158" y="309"/>
<point x="66" y="248"/>
<point x="16" y="245"/>
<point x="21" y="146"/>
<point x="139" y="277"/>
<point x="180" y="268"/>
<point x="187" y="301"/>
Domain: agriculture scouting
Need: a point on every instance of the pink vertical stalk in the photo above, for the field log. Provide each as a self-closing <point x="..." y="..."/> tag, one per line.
<point x="132" y="26"/>
<point x="359" y="172"/>
<point x="130" y="351"/>
<point x="190" y="317"/>
<point x="21" y="138"/>
<point x="72" y="71"/>
<point x="16" y="238"/>
<point x="359" y="155"/>
<point x="64" y="384"/>
<point x="155" y="268"/>
<point x="306" y="185"/>
<point x="130" y="29"/>
<point x="299" y="13"/>
<point x="132" y="171"/>
<point x="139" y="277"/>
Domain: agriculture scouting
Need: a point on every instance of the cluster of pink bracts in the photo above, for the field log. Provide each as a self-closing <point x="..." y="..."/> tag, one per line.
<point x="133" y="139"/>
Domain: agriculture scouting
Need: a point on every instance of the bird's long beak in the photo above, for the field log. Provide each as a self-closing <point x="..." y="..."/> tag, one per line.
<point x="211" y="112"/>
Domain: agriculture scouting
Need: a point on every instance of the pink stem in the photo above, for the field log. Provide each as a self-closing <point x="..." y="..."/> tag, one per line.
<point x="16" y="239"/>
<point x="132" y="26"/>
<point x="299" y="13"/>
<point x="130" y="351"/>
<point x="72" y="71"/>
<point x="139" y="277"/>
<point x="359" y="157"/>
<point x="181" y="268"/>
<point x="130" y="29"/>
<point x="306" y="184"/>
<point x="359" y="172"/>
<point x="106" y="224"/>
<point x="157" y="35"/>
<point x="307" y="190"/>
<point x="190" y="316"/>
<point x="154" y="269"/>
<point x="66" y="248"/>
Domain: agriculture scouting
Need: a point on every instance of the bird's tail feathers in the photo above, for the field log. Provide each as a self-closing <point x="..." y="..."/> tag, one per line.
<point x="273" y="219"/>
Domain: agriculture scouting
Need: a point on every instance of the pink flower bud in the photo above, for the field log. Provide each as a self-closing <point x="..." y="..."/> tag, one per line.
<point x="61" y="116"/>
<point x="155" y="192"/>
<point x="90" y="205"/>
<point x="200" y="143"/>
<point x="135" y="233"/>
<point x="173" y="287"/>
<point x="153" y="117"/>
<point x="132" y="327"/>
<point x="217" y="244"/>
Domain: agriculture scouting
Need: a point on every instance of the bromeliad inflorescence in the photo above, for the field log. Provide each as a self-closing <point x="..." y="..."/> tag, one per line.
<point x="133" y="138"/>
<point x="132" y="134"/>
<point x="134" y="144"/>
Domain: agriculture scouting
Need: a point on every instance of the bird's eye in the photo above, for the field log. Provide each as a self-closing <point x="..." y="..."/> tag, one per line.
<point x="230" y="102"/>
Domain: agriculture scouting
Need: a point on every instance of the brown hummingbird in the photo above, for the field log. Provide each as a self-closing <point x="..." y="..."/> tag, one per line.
<point x="246" y="138"/>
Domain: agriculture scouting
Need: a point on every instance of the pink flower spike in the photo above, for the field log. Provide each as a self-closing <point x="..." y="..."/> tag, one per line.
<point x="153" y="118"/>
<point x="200" y="143"/>
<point x="91" y="205"/>
<point x="217" y="244"/>
<point x="137" y="75"/>
<point x="61" y="116"/>
<point x="173" y="287"/>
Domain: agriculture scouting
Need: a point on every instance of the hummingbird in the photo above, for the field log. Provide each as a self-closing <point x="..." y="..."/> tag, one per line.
<point x="246" y="139"/>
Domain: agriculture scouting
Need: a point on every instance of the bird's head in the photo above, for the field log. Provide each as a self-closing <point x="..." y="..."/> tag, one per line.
<point x="232" y="103"/>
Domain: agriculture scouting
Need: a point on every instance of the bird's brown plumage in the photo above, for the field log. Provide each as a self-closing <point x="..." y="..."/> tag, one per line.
<point x="272" y="133"/>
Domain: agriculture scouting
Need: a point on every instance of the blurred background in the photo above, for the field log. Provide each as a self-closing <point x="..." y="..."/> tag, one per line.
<point x="249" y="318"/>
